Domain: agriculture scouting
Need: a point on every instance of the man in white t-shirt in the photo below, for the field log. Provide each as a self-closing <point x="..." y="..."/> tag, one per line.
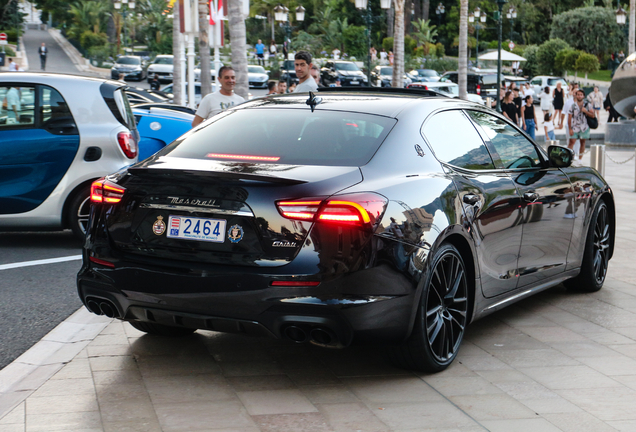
<point x="13" y="66"/>
<point x="302" y="64"/>
<point x="221" y="100"/>
<point x="13" y="105"/>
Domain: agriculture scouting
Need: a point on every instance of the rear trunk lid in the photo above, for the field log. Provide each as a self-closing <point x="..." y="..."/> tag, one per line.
<point x="217" y="212"/>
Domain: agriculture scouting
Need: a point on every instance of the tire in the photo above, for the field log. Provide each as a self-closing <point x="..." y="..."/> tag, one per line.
<point x="160" y="329"/>
<point x="596" y="254"/>
<point x="442" y="316"/>
<point x="78" y="212"/>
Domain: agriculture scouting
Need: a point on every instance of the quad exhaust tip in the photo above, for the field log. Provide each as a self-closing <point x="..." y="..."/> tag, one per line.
<point x="316" y="335"/>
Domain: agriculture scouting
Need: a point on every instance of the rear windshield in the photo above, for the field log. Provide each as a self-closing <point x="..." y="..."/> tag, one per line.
<point x="163" y="60"/>
<point x="128" y="60"/>
<point x="347" y="67"/>
<point x="554" y="81"/>
<point x="386" y="71"/>
<point x="117" y="102"/>
<point x="289" y="136"/>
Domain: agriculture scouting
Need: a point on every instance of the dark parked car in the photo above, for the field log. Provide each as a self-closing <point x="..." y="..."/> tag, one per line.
<point x="482" y="84"/>
<point x="347" y="72"/>
<point x="342" y="218"/>
<point x="132" y="67"/>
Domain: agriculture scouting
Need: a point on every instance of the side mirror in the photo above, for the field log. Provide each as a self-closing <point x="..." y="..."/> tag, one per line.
<point x="560" y="157"/>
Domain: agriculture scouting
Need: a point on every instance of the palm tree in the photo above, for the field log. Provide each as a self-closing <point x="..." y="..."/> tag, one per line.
<point x="632" y="26"/>
<point x="204" y="48"/>
<point x="239" y="51"/>
<point x="462" y="72"/>
<point x="398" y="45"/>
<point x="424" y="32"/>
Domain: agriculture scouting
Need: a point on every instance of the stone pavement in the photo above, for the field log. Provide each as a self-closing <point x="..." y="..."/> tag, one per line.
<point x="555" y="362"/>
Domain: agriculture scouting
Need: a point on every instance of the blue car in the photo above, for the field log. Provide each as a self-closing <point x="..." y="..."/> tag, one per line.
<point x="159" y="125"/>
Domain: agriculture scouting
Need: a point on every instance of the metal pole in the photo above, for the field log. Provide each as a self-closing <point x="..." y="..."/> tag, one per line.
<point x="477" y="45"/>
<point x="191" y="54"/>
<point x="369" y="42"/>
<point x="125" y="40"/>
<point x="287" y="38"/>
<point x="500" y="3"/>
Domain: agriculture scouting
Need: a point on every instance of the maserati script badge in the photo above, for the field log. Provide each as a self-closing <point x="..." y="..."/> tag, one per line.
<point x="159" y="226"/>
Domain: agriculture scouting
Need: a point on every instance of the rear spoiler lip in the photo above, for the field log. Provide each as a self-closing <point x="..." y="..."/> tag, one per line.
<point x="218" y="174"/>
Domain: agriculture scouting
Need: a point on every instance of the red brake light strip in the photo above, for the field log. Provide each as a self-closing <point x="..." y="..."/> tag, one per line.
<point x="243" y="157"/>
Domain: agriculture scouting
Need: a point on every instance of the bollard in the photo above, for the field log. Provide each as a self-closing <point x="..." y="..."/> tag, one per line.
<point x="489" y="102"/>
<point x="597" y="158"/>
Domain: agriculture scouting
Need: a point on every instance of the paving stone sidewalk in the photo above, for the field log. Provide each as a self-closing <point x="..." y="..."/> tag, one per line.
<point x="555" y="362"/>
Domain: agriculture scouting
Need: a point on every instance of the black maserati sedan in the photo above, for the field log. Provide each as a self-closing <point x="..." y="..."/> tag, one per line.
<point x="344" y="217"/>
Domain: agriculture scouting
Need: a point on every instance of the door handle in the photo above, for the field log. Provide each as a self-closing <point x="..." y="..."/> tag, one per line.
<point x="531" y="196"/>
<point x="471" y="199"/>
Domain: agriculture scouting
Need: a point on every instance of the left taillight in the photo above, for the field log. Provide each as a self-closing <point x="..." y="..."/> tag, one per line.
<point x="105" y="192"/>
<point x="351" y="209"/>
<point x="128" y="144"/>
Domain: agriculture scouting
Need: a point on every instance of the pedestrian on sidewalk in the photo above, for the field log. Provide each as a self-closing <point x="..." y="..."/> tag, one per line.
<point x="13" y="66"/>
<point x="43" y="51"/>
<point x="557" y="100"/>
<point x="516" y="98"/>
<point x="509" y="108"/>
<point x="530" y="124"/>
<point x="546" y="100"/>
<point x="259" y="50"/>
<point x="577" y="121"/>
<point x="613" y="114"/>
<point x="596" y="98"/>
<point x="548" y="126"/>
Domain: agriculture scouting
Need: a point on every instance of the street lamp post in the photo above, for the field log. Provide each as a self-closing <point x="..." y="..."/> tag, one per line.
<point x="500" y="4"/>
<point x="440" y="11"/>
<point x="281" y="14"/>
<point x="365" y="5"/>
<point x="482" y="18"/>
<point x="130" y="5"/>
<point x="511" y="15"/>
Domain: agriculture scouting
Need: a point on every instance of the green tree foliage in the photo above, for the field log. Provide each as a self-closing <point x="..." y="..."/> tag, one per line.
<point x="531" y="65"/>
<point x="423" y="32"/>
<point x="565" y="60"/>
<point x="587" y="63"/>
<point x="409" y="44"/>
<point x="590" y="29"/>
<point x="546" y="54"/>
<point x="88" y="39"/>
<point x="355" y="41"/>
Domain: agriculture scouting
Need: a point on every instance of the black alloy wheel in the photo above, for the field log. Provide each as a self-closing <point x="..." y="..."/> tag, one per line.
<point x="597" y="253"/>
<point x="442" y="317"/>
<point x="78" y="212"/>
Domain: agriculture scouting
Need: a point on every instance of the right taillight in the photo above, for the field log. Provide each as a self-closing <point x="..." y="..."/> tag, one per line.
<point x="105" y="192"/>
<point x="128" y="144"/>
<point x="350" y="209"/>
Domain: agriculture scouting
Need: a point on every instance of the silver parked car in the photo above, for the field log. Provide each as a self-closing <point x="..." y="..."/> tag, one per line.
<point x="59" y="133"/>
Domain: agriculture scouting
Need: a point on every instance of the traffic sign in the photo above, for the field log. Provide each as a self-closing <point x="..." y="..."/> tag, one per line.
<point x="3" y="38"/>
<point x="511" y="45"/>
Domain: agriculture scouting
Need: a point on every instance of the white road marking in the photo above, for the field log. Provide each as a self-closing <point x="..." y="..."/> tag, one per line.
<point x="40" y="262"/>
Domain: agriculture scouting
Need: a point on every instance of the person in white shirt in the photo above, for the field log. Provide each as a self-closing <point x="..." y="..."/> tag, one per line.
<point x="13" y="105"/>
<point x="221" y="100"/>
<point x="302" y="64"/>
<point x="13" y="66"/>
<point x="548" y="126"/>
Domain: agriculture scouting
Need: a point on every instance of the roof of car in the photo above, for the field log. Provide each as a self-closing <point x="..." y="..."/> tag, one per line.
<point x="370" y="102"/>
<point x="51" y="78"/>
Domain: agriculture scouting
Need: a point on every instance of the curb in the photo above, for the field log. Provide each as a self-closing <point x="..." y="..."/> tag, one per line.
<point x="36" y="366"/>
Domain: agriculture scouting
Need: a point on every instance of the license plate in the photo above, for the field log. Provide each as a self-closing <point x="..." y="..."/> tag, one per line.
<point x="189" y="228"/>
<point x="354" y="81"/>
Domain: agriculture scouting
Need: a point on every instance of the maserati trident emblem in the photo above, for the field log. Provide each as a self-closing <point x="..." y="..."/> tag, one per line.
<point x="159" y="226"/>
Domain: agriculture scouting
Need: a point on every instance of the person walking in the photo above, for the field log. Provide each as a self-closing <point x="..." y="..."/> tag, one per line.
<point x="155" y="84"/>
<point x="596" y="99"/>
<point x="302" y="65"/>
<point x="577" y="121"/>
<point x="43" y="51"/>
<point x="391" y="57"/>
<point x="518" y="101"/>
<point x="13" y="66"/>
<point x="272" y="51"/>
<point x="259" y="50"/>
<point x="548" y="125"/>
<point x="383" y="57"/>
<point x="546" y="100"/>
<point x="557" y="100"/>
<point x="529" y="117"/>
<point x="220" y="100"/>
<point x="509" y="108"/>
<point x="613" y="114"/>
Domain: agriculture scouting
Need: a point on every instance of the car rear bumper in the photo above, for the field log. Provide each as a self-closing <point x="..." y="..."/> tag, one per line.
<point x="354" y="307"/>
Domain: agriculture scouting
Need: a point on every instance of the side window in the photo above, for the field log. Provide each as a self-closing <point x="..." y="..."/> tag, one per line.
<point x="514" y="149"/>
<point x="536" y="81"/>
<point x="17" y="107"/>
<point x="53" y="106"/>
<point x="454" y="140"/>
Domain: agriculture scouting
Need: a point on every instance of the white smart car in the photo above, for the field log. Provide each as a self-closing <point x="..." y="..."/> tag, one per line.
<point x="59" y="133"/>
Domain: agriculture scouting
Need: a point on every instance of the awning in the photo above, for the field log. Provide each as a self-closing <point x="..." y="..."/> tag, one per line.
<point x="505" y="56"/>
